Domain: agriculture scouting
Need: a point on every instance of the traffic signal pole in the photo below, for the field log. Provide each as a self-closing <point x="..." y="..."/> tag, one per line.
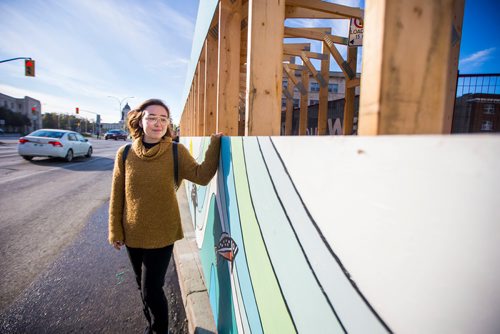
<point x="97" y="118"/>
<point x="29" y="65"/>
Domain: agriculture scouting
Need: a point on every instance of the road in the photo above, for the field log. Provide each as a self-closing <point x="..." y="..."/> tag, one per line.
<point x="53" y="229"/>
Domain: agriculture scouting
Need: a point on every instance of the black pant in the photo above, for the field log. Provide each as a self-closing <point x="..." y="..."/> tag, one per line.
<point x="150" y="267"/>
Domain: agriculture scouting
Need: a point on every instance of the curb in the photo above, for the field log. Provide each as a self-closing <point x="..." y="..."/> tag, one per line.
<point x="189" y="271"/>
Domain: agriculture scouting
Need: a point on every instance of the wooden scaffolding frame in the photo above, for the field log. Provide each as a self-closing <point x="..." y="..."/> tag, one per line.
<point x="410" y="61"/>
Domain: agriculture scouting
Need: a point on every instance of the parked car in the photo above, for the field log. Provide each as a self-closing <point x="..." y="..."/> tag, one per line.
<point x="116" y="134"/>
<point x="54" y="143"/>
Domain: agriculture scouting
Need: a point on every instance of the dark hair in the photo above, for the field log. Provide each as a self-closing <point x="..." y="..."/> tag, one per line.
<point x="135" y="116"/>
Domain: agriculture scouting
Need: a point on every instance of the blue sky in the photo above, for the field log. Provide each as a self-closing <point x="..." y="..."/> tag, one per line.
<point x="87" y="50"/>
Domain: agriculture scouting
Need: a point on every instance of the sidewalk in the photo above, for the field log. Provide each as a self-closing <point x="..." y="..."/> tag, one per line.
<point x="189" y="270"/>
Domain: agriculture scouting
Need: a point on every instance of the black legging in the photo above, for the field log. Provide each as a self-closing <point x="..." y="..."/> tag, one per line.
<point x="150" y="267"/>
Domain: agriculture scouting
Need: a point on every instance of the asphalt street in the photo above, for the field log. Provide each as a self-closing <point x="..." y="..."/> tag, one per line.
<point x="90" y="288"/>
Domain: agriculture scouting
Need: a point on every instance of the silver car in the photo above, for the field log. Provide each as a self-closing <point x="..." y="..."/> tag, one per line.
<point x="54" y="143"/>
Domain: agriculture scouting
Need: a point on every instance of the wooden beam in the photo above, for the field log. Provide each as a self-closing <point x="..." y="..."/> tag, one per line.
<point x="229" y="62"/>
<point x="289" y="110"/>
<point x="323" y="94"/>
<point x="327" y="7"/>
<point x="344" y="66"/>
<point x="293" y="12"/>
<point x="201" y="94"/>
<point x="304" y="104"/>
<point x="297" y="47"/>
<point x="296" y="82"/>
<point x="308" y="54"/>
<point x="322" y="81"/>
<point x="210" y="105"/>
<point x="317" y="35"/>
<point x="409" y="66"/>
<point x="264" y="68"/>
<point x="196" y="101"/>
<point x="296" y="67"/>
<point x="352" y="83"/>
<point x="452" y="70"/>
<point x="350" y="94"/>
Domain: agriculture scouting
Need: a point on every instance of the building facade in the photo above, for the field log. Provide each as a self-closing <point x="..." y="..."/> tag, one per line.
<point x="28" y="106"/>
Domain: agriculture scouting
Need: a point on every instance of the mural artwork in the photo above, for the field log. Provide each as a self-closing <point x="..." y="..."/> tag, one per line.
<point x="267" y="264"/>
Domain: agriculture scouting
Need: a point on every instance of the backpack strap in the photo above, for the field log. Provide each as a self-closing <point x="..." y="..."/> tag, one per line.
<point x="176" y="164"/>
<point x="125" y="153"/>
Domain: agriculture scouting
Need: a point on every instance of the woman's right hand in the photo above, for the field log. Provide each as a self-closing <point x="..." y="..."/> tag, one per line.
<point x="118" y="244"/>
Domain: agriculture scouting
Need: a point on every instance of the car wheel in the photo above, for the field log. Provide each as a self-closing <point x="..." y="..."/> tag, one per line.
<point x="89" y="152"/>
<point x="25" y="157"/>
<point x="69" y="155"/>
<point x="116" y="138"/>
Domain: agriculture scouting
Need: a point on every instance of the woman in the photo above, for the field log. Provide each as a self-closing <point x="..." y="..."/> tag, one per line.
<point x="143" y="213"/>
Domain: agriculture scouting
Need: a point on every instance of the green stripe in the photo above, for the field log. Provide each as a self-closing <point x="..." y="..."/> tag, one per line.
<point x="273" y="312"/>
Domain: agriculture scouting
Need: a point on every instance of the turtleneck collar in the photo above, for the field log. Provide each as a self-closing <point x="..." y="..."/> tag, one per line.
<point x="154" y="152"/>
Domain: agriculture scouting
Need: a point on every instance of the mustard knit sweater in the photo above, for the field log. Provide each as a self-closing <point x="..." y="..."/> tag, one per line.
<point x="143" y="209"/>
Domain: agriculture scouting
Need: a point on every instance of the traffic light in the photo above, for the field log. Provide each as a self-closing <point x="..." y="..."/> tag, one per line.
<point x="77" y="110"/>
<point x="33" y="110"/>
<point x="29" y="68"/>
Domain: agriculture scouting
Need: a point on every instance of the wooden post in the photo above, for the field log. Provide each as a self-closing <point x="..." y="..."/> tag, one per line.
<point x="350" y="93"/>
<point x="229" y="66"/>
<point x="304" y="103"/>
<point x="323" y="92"/>
<point x="409" y="66"/>
<point x="196" y="101"/>
<point x="264" y="67"/>
<point x="201" y="95"/>
<point x="289" y="109"/>
<point x="210" y="85"/>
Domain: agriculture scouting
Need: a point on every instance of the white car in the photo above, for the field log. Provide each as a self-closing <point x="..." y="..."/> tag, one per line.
<point x="54" y="143"/>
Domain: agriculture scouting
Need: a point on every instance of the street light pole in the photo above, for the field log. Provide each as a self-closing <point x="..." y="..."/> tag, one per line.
<point x="120" y="102"/>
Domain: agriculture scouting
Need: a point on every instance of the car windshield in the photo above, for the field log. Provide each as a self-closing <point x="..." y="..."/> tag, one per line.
<point x="45" y="133"/>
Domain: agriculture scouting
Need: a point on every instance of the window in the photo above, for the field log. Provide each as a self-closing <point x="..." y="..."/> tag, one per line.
<point x="296" y="103"/>
<point x="314" y="87"/>
<point x="487" y="126"/>
<point x="489" y="109"/>
<point x="311" y="102"/>
<point x="333" y="88"/>
<point x="71" y="137"/>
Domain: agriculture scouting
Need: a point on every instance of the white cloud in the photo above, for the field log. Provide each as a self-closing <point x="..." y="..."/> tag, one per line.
<point x="476" y="59"/>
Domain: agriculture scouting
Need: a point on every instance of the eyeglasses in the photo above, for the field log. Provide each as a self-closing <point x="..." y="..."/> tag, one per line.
<point x="154" y="120"/>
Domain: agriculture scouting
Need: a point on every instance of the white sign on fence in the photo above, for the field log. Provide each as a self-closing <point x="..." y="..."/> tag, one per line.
<point x="356" y="32"/>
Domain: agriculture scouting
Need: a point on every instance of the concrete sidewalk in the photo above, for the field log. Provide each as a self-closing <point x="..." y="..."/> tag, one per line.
<point x="190" y="273"/>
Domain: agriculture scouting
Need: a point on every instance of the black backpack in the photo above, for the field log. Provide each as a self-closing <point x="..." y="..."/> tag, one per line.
<point x="174" y="151"/>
